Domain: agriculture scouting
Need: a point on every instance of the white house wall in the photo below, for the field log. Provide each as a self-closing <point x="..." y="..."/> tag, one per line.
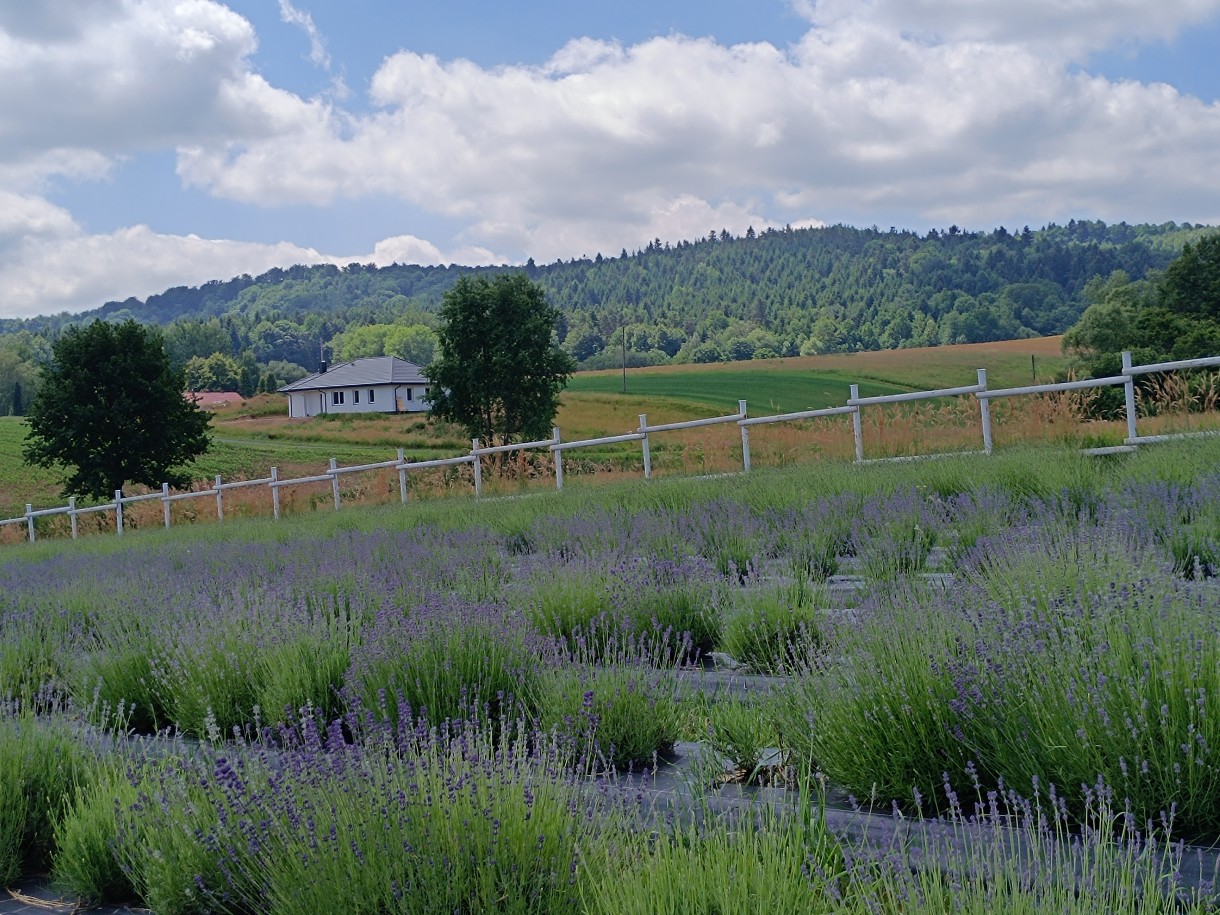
<point x="386" y="399"/>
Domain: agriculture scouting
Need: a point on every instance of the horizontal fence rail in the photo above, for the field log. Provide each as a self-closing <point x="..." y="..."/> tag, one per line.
<point x="556" y="447"/>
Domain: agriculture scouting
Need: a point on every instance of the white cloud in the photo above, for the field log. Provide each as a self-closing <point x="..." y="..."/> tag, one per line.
<point x="102" y="79"/>
<point x="589" y="151"/>
<point x="407" y="249"/>
<point x="48" y="264"/>
<point x="905" y="112"/>
<point x="1066" y="28"/>
<point x="64" y="269"/>
<point x="318" y="55"/>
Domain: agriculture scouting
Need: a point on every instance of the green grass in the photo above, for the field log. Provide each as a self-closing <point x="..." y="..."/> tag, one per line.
<point x="764" y="392"/>
<point x="19" y="482"/>
<point x="232" y="456"/>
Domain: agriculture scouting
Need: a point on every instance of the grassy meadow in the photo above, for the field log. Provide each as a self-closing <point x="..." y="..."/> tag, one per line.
<point x="1001" y="672"/>
<point x="812" y="382"/>
<point x="251" y="438"/>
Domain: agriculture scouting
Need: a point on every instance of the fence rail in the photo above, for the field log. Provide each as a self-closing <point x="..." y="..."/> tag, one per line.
<point x="556" y="446"/>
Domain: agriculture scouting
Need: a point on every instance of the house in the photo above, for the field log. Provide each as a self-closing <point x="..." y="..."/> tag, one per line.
<point x="382" y="384"/>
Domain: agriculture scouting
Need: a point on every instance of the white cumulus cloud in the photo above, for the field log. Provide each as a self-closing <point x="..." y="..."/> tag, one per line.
<point x="907" y="112"/>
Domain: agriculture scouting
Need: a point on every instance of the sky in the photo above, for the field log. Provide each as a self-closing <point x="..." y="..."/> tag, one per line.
<point x="146" y="144"/>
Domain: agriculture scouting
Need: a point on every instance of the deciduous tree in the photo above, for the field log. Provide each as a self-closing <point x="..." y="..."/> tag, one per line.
<point x="499" y="372"/>
<point x="111" y="411"/>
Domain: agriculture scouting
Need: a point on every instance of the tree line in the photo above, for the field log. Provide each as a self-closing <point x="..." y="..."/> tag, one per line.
<point x="1169" y="316"/>
<point x="778" y="292"/>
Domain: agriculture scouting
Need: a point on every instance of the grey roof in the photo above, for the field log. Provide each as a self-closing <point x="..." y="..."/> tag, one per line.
<point x="360" y="373"/>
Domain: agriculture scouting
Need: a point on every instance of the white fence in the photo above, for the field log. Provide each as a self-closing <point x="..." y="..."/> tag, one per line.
<point x="556" y="447"/>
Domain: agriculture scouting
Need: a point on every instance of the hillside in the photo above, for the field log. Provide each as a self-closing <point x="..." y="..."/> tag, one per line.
<point x="776" y="293"/>
<point x="843" y="288"/>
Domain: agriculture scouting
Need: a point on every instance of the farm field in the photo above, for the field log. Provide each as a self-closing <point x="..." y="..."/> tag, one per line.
<point x="250" y="439"/>
<point x="813" y="382"/>
<point x="959" y="685"/>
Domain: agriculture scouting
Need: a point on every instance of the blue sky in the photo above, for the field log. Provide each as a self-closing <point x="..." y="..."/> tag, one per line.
<point x="149" y="143"/>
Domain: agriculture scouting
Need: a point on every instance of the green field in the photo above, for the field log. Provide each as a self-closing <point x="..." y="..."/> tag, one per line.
<point x="20" y="483"/>
<point x="813" y="382"/>
<point x="764" y="392"/>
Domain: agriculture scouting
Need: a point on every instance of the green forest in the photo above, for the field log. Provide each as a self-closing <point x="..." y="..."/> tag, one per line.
<point x="779" y="292"/>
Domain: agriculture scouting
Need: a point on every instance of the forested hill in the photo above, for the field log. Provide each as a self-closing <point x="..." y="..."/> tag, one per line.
<point x="778" y="292"/>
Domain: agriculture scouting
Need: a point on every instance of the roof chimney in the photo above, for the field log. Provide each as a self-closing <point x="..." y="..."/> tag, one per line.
<point x="324" y="367"/>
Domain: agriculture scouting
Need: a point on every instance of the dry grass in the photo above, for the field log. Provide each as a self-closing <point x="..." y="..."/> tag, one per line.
<point x="1170" y="404"/>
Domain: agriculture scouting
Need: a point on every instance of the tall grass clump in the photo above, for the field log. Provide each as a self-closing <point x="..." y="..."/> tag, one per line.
<point x="876" y="719"/>
<point x="461" y="818"/>
<point x="87" y="863"/>
<point x="682" y="596"/>
<point x="36" y="640"/>
<point x="778" y="628"/>
<point x="742" y="732"/>
<point x="782" y="863"/>
<point x="619" y="717"/>
<point x="566" y="600"/>
<point x="208" y="679"/>
<point x="41" y="767"/>
<point x="305" y="666"/>
<point x="998" y="852"/>
<point x="893" y="536"/>
<point x="446" y="658"/>
<point x="812" y="538"/>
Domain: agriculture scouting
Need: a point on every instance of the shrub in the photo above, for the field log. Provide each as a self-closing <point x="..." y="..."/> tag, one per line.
<point x="41" y="767"/>
<point x="621" y="717"/>
<point x="86" y="864"/>
<point x="777" y="629"/>
<point x="445" y="660"/>
<point x="741" y="731"/>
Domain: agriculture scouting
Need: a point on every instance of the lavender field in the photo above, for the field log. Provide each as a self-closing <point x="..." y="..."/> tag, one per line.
<point x="963" y="685"/>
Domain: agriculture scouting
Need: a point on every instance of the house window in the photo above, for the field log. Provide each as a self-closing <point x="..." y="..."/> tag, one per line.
<point x="336" y="398"/>
<point x="370" y="395"/>
<point x="425" y="393"/>
<point x="409" y="397"/>
<point x="356" y="396"/>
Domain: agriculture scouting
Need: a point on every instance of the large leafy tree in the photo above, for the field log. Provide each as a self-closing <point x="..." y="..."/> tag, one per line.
<point x="499" y="372"/>
<point x="111" y="411"/>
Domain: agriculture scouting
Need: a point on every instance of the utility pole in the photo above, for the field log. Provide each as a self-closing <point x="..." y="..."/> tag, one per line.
<point x="623" y="331"/>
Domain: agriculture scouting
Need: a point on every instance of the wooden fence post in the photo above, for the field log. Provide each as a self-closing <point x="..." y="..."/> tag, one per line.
<point x="29" y="519"/>
<point x="478" y="468"/>
<point x="220" y="501"/>
<point x="985" y="412"/>
<point x="334" y="482"/>
<point x="165" y="502"/>
<point x="745" y="438"/>
<point x="1129" y="391"/>
<point x="644" y="446"/>
<point x="402" y="476"/>
<point x="275" y="493"/>
<point x="558" y="459"/>
<point x="72" y="515"/>
<point x="856" y="429"/>
<point x="118" y="512"/>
